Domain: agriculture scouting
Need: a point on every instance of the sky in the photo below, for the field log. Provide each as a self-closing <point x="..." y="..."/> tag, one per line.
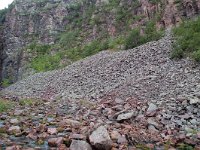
<point x="5" y="3"/>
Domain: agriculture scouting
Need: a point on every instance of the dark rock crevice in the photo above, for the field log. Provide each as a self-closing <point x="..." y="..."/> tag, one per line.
<point x="1" y="52"/>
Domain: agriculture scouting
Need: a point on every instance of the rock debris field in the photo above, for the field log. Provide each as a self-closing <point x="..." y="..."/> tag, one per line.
<point x="134" y="99"/>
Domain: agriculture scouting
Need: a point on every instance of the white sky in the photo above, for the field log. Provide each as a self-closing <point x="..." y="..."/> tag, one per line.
<point x="5" y="3"/>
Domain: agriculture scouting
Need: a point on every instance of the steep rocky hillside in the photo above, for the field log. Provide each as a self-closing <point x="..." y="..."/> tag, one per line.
<point x="48" y="34"/>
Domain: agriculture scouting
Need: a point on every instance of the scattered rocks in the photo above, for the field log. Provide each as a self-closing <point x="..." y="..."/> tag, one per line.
<point x="100" y="139"/>
<point x="79" y="145"/>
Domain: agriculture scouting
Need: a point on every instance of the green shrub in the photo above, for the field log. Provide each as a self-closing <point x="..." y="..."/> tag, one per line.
<point x="46" y="62"/>
<point x="26" y="102"/>
<point x="185" y="147"/>
<point x="5" y="83"/>
<point x="69" y="39"/>
<point x="134" y="39"/>
<point x="187" y="37"/>
<point x="115" y="43"/>
<point x="39" y="49"/>
<point x="5" y="105"/>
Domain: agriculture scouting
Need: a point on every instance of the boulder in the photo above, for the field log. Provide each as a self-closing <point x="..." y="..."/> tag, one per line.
<point x="79" y="145"/>
<point x="100" y="139"/>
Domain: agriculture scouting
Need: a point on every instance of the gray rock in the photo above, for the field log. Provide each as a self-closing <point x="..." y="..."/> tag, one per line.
<point x="194" y="100"/>
<point x="194" y="121"/>
<point x="125" y="116"/>
<point x="14" y="121"/>
<point x="79" y="145"/>
<point x="18" y="112"/>
<point x="153" y="122"/>
<point x="119" y="101"/>
<point x="14" y="130"/>
<point x="152" y="107"/>
<point x="100" y="139"/>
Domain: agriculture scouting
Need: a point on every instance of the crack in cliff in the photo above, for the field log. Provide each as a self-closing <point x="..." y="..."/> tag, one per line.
<point x="1" y="52"/>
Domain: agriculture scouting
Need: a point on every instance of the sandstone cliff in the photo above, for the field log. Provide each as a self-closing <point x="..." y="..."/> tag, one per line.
<point x="43" y="21"/>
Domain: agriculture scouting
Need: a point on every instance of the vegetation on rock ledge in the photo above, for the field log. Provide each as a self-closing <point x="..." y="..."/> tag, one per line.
<point x="187" y="37"/>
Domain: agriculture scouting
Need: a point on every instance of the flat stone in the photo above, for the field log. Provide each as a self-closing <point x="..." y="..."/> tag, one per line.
<point x="152" y="129"/>
<point x="15" y="147"/>
<point x="100" y="139"/>
<point x="72" y="122"/>
<point x="79" y="145"/>
<point x="18" y="112"/>
<point x="52" y="131"/>
<point x="151" y="121"/>
<point x="14" y="130"/>
<point x="119" y="101"/>
<point x="152" y="107"/>
<point x="14" y="121"/>
<point x="54" y="142"/>
<point x="125" y="116"/>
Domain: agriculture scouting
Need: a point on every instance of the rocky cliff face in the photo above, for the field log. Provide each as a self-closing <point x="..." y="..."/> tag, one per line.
<point x="43" y="21"/>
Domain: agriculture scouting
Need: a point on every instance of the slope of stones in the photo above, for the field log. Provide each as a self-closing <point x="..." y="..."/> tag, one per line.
<point x="145" y="72"/>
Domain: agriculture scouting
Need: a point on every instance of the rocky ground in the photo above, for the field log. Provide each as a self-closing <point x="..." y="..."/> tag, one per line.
<point x="135" y="99"/>
<point x="111" y="123"/>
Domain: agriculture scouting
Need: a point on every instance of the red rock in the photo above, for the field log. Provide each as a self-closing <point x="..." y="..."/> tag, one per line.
<point x="198" y="135"/>
<point x="115" y="135"/>
<point x="122" y="140"/>
<point x="15" y="147"/>
<point x="54" y="142"/>
<point x="52" y="131"/>
<point x="62" y="147"/>
<point x="150" y="146"/>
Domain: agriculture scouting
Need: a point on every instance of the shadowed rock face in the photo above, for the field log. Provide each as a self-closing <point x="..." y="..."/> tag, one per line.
<point x="29" y="20"/>
<point x="1" y="51"/>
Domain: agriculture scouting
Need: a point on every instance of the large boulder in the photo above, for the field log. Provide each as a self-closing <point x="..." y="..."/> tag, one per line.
<point x="100" y="139"/>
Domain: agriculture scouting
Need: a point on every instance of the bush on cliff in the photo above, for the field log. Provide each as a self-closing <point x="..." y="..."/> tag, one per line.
<point x="187" y="37"/>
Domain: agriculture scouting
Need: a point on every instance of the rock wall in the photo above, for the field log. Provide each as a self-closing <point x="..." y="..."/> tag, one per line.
<point x="41" y="21"/>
